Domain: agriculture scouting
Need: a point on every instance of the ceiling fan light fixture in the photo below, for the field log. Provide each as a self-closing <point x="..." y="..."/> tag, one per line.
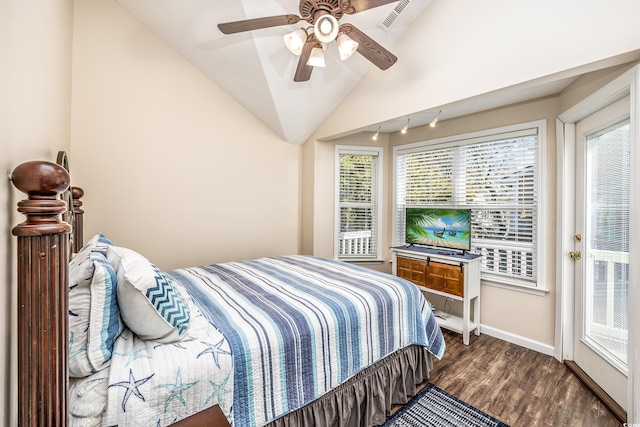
<point x="346" y="46"/>
<point x="295" y="41"/>
<point x="326" y="28"/>
<point x="316" y="58"/>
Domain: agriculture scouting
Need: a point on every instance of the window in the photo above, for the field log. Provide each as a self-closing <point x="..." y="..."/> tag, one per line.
<point x="494" y="173"/>
<point x="358" y="183"/>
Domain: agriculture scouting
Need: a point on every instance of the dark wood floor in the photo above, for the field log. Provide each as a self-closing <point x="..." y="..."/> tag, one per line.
<point x="518" y="386"/>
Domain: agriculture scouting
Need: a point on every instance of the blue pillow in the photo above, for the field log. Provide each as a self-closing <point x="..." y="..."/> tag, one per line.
<point x="94" y="319"/>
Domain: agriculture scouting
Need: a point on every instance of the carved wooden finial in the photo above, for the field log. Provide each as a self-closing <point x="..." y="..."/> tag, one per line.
<point x="40" y="178"/>
<point x="77" y="193"/>
<point x="42" y="182"/>
<point x="78" y="221"/>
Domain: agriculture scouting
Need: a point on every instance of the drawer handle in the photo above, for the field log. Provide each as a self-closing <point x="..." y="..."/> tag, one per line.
<point x="461" y="266"/>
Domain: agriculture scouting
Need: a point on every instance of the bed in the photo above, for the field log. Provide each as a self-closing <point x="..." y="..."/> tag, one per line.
<point x="278" y="341"/>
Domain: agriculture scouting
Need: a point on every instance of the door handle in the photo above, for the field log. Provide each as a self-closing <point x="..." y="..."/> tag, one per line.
<point x="577" y="255"/>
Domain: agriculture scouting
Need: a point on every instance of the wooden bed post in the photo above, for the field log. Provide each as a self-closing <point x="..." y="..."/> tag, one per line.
<point x="78" y="214"/>
<point x="43" y="264"/>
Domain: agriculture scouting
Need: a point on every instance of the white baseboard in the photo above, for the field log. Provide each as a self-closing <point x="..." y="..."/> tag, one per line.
<point x="547" y="349"/>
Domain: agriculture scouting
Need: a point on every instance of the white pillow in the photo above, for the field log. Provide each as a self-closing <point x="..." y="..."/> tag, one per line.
<point x="94" y="321"/>
<point x="149" y="304"/>
<point x="88" y="399"/>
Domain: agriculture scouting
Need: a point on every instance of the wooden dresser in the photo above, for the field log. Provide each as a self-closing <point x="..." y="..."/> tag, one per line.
<point x="447" y="274"/>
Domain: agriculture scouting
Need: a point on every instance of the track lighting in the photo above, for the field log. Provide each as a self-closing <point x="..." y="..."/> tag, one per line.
<point x="375" y="136"/>
<point x="434" y="121"/>
<point x="405" y="128"/>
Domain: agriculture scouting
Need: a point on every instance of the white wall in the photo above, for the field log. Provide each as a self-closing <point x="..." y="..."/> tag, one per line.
<point x="35" y="76"/>
<point x="172" y="166"/>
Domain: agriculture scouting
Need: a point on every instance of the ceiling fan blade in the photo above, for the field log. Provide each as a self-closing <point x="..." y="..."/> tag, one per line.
<point x="257" y="23"/>
<point x="303" y="71"/>
<point x="354" y="6"/>
<point x="369" y="48"/>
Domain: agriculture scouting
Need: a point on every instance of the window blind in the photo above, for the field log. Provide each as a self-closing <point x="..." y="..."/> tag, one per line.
<point x="496" y="176"/>
<point x="358" y="204"/>
<point x="607" y="239"/>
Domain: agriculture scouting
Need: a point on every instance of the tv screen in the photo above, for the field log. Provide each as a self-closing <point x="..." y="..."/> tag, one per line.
<point x="438" y="227"/>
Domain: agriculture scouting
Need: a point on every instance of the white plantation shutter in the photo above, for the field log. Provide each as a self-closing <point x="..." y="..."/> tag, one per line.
<point x="357" y="218"/>
<point x="495" y="174"/>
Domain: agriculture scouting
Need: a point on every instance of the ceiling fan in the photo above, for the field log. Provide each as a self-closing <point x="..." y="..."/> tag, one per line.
<point x="323" y="15"/>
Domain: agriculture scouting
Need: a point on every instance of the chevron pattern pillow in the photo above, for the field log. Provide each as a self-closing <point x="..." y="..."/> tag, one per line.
<point x="150" y="304"/>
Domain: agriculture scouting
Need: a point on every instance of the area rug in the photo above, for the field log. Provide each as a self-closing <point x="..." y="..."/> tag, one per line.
<point x="433" y="407"/>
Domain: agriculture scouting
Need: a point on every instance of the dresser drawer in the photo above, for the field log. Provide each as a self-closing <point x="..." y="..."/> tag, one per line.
<point x="412" y="269"/>
<point x="445" y="278"/>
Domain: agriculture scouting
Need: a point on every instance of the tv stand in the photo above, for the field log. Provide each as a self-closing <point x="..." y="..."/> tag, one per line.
<point x="446" y="273"/>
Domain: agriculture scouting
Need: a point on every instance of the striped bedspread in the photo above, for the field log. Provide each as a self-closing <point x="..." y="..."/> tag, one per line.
<point x="298" y="326"/>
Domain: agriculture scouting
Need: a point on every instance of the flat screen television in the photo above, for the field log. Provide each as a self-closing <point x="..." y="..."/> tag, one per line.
<point x="446" y="228"/>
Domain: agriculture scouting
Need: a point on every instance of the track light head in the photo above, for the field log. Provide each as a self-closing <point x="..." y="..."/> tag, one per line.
<point x="405" y="128"/>
<point x="435" y="120"/>
<point x="375" y="136"/>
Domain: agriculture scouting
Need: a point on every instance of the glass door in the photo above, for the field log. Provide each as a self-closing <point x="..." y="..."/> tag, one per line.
<point x="601" y="329"/>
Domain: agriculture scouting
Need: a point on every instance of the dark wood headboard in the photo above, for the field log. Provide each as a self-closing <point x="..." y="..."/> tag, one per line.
<point x="45" y="242"/>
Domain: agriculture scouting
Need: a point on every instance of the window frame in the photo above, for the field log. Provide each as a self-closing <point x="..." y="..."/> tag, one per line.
<point x="539" y="286"/>
<point x="377" y="221"/>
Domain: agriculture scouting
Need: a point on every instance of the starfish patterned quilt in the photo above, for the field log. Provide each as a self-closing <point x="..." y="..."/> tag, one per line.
<point x="266" y="337"/>
<point x="155" y="384"/>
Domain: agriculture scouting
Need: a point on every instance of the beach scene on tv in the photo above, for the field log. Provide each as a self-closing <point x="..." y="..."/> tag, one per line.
<point x="443" y="228"/>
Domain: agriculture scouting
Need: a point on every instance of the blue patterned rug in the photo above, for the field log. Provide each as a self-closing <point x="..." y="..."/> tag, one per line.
<point x="433" y="407"/>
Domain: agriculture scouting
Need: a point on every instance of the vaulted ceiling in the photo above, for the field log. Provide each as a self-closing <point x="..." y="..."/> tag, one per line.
<point x="257" y="69"/>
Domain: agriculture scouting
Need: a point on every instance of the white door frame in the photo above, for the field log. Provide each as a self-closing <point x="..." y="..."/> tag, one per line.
<point x="628" y="83"/>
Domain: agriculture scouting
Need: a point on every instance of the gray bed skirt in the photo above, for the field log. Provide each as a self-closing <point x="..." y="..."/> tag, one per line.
<point x="365" y="399"/>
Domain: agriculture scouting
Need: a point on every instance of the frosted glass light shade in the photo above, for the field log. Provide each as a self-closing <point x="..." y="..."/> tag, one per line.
<point x="326" y="28"/>
<point x="346" y="46"/>
<point x="295" y="41"/>
<point x="316" y="59"/>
